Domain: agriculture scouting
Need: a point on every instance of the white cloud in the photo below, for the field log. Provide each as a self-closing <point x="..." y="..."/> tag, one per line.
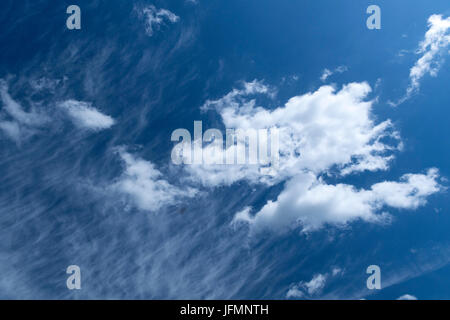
<point x="433" y="48"/>
<point x="86" y="116"/>
<point x="318" y="131"/>
<point x="437" y="39"/>
<point x="144" y="184"/>
<point x="336" y="271"/>
<point x="44" y="83"/>
<point x="321" y="129"/>
<point x="407" y="297"/>
<point x="313" y="287"/>
<point x="11" y="129"/>
<point x="15" y="110"/>
<point x="238" y="98"/>
<point x="321" y="132"/>
<point x="154" y="18"/>
<point x="309" y="203"/>
<point x="327" y="72"/>
<point x="21" y="124"/>
<point x="316" y="284"/>
<point x="295" y="292"/>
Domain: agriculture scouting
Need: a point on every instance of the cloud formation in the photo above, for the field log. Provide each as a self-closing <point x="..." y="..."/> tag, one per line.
<point x="309" y="203"/>
<point x="317" y="131"/>
<point x="84" y="115"/>
<point x="329" y="132"/>
<point x="327" y="72"/>
<point x="313" y="287"/>
<point x="407" y="297"/>
<point x="436" y="41"/>
<point x="144" y="184"/>
<point x="15" y="122"/>
<point x="433" y="48"/>
<point x="154" y="18"/>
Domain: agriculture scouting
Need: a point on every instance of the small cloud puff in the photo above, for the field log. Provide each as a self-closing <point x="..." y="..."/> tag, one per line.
<point x="327" y="72"/>
<point x="407" y="297"/>
<point x="312" y="288"/>
<point x="86" y="116"/>
<point x="154" y="18"/>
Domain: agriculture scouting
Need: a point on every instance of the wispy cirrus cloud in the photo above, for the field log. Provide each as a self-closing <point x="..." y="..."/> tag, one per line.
<point x="155" y="17"/>
<point x="145" y="186"/>
<point x="15" y="122"/>
<point x="433" y="49"/>
<point x="437" y="39"/>
<point x="327" y="72"/>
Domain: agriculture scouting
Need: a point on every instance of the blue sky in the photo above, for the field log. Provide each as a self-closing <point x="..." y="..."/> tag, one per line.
<point x="86" y="118"/>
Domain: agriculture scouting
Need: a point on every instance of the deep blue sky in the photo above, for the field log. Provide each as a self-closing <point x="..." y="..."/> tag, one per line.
<point x="55" y="205"/>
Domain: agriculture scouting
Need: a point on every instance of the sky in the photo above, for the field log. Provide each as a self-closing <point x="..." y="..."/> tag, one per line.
<point x="88" y="177"/>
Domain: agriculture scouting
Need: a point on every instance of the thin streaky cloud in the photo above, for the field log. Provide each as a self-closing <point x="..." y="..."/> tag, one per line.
<point x="155" y="17"/>
<point x="433" y="49"/>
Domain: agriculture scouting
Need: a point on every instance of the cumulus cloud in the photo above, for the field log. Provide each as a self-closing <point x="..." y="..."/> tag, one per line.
<point x="407" y="297"/>
<point x="309" y="203"/>
<point x="327" y="72"/>
<point x="295" y="293"/>
<point x="325" y="132"/>
<point x="154" y="18"/>
<point x="86" y="116"/>
<point x="317" y="131"/>
<point x="144" y="184"/>
<point x="313" y="287"/>
<point x="433" y="48"/>
<point x="21" y="124"/>
<point x="316" y="284"/>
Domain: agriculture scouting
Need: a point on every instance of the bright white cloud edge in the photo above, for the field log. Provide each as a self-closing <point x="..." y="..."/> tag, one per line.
<point x="433" y="46"/>
<point x="326" y="131"/>
<point x="86" y="116"/>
